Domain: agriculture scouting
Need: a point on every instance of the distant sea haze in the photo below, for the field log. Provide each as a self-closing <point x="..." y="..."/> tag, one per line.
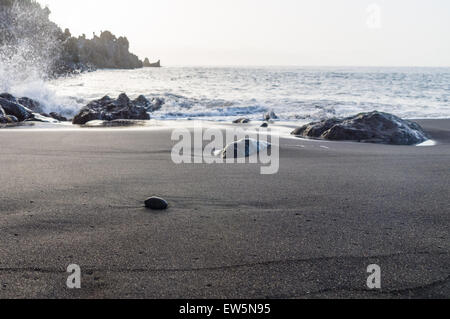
<point x="293" y="93"/>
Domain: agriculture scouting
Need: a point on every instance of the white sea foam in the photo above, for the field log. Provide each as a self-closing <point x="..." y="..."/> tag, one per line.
<point x="25" y="64"/>
<point x="27" y="78"/>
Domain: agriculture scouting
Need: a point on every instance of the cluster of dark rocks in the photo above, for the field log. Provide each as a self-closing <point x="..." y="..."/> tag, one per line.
<point x="112" y="112"/>
<point x="16" y="110"/>
<point x="267" y="118"/>
<point x="122" y="108"/>
<point x="374" y="127"/>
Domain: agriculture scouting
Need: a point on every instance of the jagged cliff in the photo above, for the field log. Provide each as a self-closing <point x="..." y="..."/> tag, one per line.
<point x="104" y="51"/>
<point x="28" y="36"/>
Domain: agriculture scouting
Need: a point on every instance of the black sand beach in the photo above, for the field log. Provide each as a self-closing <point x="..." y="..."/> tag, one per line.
<point x="309" y="231"/>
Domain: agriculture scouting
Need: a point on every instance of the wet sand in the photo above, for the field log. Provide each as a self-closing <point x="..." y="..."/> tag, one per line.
<point x="76" y="197"/>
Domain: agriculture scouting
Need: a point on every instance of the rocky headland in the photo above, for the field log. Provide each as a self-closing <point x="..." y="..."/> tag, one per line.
<point x="29" y="36"/>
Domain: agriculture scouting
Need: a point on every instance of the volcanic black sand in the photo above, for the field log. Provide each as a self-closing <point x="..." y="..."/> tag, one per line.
<point x="77" y="197"/>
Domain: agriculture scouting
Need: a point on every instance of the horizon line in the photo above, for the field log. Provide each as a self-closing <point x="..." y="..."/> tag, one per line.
<point x="305" y="66"/>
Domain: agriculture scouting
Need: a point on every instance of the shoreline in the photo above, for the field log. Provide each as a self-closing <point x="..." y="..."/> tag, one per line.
<point x="435" y="127"/>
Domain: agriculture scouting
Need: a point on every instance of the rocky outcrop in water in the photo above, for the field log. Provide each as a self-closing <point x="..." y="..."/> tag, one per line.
<point x="122" y="108"/>
<point x="148" y="64"/>
<point x="14" y="110"/>
<point x="244" y="148"/>
<point x="374" y="127"/>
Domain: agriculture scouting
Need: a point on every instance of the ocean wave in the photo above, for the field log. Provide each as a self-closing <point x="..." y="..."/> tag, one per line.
<point x="225" y="93"/>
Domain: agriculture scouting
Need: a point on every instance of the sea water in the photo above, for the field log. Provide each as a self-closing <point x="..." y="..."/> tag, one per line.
<point x="225" y="93"/>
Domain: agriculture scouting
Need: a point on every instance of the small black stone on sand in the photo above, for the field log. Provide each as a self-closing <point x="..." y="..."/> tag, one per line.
<point x="156" y="203"/>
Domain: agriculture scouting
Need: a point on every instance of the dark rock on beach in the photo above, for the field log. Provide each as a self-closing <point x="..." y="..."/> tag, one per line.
<point x="142" y="101"/>
<point x="373" y="127"/>
<point x="58" y="117"/>
<point x="13" y="119"/>
<point x="108" y="109"/>
<point x="156" y="203"/>
<point x="8" y="97"/>
<point x="242" y="121"/>
<point x="265" y="125"/>
<point x="7" y="119"/>
<point x="33" y="105"/>
<point x="316" y="129"/>
<point x="24" y="109"/>
<point x="11" y="107"/>
<point x="270" y="116"/>
<point x="3" y="117"/>
<point x="154" y="105"/>
<point x="244" y="148"/>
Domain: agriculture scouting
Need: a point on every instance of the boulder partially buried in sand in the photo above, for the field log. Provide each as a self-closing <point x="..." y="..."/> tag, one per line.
<point x="374" y="127"/>
<point x="156" y="203"/>
<point x="243" y="148"/>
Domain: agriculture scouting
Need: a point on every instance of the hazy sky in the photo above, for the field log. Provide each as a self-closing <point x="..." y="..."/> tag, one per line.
<point x="270" y="32"/>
